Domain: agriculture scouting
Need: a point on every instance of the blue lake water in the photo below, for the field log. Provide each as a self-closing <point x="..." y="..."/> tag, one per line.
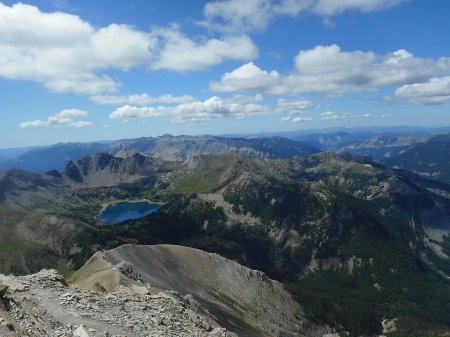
<point x="126" y="210"/>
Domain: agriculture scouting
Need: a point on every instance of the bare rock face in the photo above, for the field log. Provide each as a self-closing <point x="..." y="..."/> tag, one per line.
<point x="212" y="288"/>
<point x="3" y="290"/>
<point x="42" y="305"/>
<point x="129" y="270"/>
<point x="98" y="287"/>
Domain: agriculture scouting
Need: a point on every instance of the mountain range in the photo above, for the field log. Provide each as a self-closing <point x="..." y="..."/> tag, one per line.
<point x="42" y="159"/>
<point x="395" y="147"/>
<point x="355" y="242"/>
<point x="360" y="237"/>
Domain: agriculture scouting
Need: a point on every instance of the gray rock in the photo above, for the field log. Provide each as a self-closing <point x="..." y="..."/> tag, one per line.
<point x="3" y="290"/>
<point x="129" y="270"/>
<point x="98" y="287"/>
<point x="40" y="309"/>
<point x="81" y="332"/>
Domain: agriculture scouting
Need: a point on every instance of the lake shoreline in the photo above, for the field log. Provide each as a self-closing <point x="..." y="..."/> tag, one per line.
<point x="115" y="201"/>
<point x="115" y="214"/>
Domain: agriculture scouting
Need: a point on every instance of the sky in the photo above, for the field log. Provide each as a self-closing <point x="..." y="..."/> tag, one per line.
<point x="109" y="69"/>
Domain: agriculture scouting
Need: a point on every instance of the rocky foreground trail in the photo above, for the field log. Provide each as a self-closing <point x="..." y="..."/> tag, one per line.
<point x="43" y="304"/>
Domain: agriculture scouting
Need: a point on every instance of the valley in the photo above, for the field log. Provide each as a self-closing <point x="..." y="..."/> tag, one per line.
<point x="353" y="241"/>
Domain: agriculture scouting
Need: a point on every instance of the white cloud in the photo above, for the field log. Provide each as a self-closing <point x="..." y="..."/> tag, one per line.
<point x="293" y="107"/>
<point x="387" y="115"/>
<point x="178" y="52"/>
<point x="67" y="54"/>
<point x="192" y="112"/>
<point x="145" y="99"/>
<point x="335" y="7"/>
<point x="239" y="106"/>
<point x="121" y="46"/>
<point x="71" y="113"/>
<point x="248" y="77"/>
<point x="433" y="92"/>
<point x="235" y="15"/>
<point x="327" y="115"/>
<point x="331" y="115"/>
<point x="80" y="124"/>
<point x="63" y="52"/>
<point x="62" y="118"/>
<point x="251" y="15"/>
<point x="327" y="69"/>
<point x="245" y="99"/>
<point x="79" y="83"/>
<point x="296" y="119"/>
<point x="26" y="25"/>
<point x="139" y="99"/>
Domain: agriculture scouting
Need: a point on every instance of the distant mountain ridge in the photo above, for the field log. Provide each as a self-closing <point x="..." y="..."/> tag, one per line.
<point x="429" y="158"/>
<point x="166" y="147"/>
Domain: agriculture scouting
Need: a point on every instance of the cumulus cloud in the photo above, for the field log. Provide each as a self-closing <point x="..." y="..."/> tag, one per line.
<point x="327" y="115"/>
<point x="145" y="99"/>
<point x="67" y="54"/>
<point x="335" y="7"/>
<point x="331" y="115"/>
<point x="433" y="92"/>
<point x="192" y="112"/>
<point x="293" y="107"/>
<point x="62" y="118"/>
<point x="248" y="77"/>
<point x="63" y="52"/>
<point x="80" y="124"/>
<point x="251" y="15"/>
<point x="245" y="99"/>
<point x="238" y="106"/>
<point x="178" y="52"/>
<point x="139" y="99"/>
<point x="329" y="70"/>
<point x="296" y="119"/>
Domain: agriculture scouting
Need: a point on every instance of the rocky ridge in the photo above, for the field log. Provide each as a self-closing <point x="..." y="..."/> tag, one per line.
<point x="43" y="304"/>
<point x="166" y="147"/>
<point x="245" y="301"/>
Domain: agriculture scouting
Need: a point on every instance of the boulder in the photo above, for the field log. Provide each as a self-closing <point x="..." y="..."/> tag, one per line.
<point x="3" y="290"/>
<point x="81" y="332"/>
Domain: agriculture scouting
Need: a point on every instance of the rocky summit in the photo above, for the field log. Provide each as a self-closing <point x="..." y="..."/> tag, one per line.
<point x="43" y="304"/>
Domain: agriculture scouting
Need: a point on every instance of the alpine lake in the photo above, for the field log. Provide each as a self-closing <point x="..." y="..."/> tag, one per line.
<point x="115" y="213"/>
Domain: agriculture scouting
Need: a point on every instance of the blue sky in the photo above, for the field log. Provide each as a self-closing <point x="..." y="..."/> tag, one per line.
<point x="94" y="70"/>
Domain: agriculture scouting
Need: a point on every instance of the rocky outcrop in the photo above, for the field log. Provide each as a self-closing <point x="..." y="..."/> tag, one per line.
<point x="103" y="169"/>
<point x="243" y="300"/>
<point x="43" y="304"/>
<point x="73" y="172"/>
<point x="3" y="290"/>
<point x="127" y="152"/>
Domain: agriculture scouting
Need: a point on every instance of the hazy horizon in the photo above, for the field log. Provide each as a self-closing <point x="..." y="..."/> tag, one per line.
<point x="325" y="130"/>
